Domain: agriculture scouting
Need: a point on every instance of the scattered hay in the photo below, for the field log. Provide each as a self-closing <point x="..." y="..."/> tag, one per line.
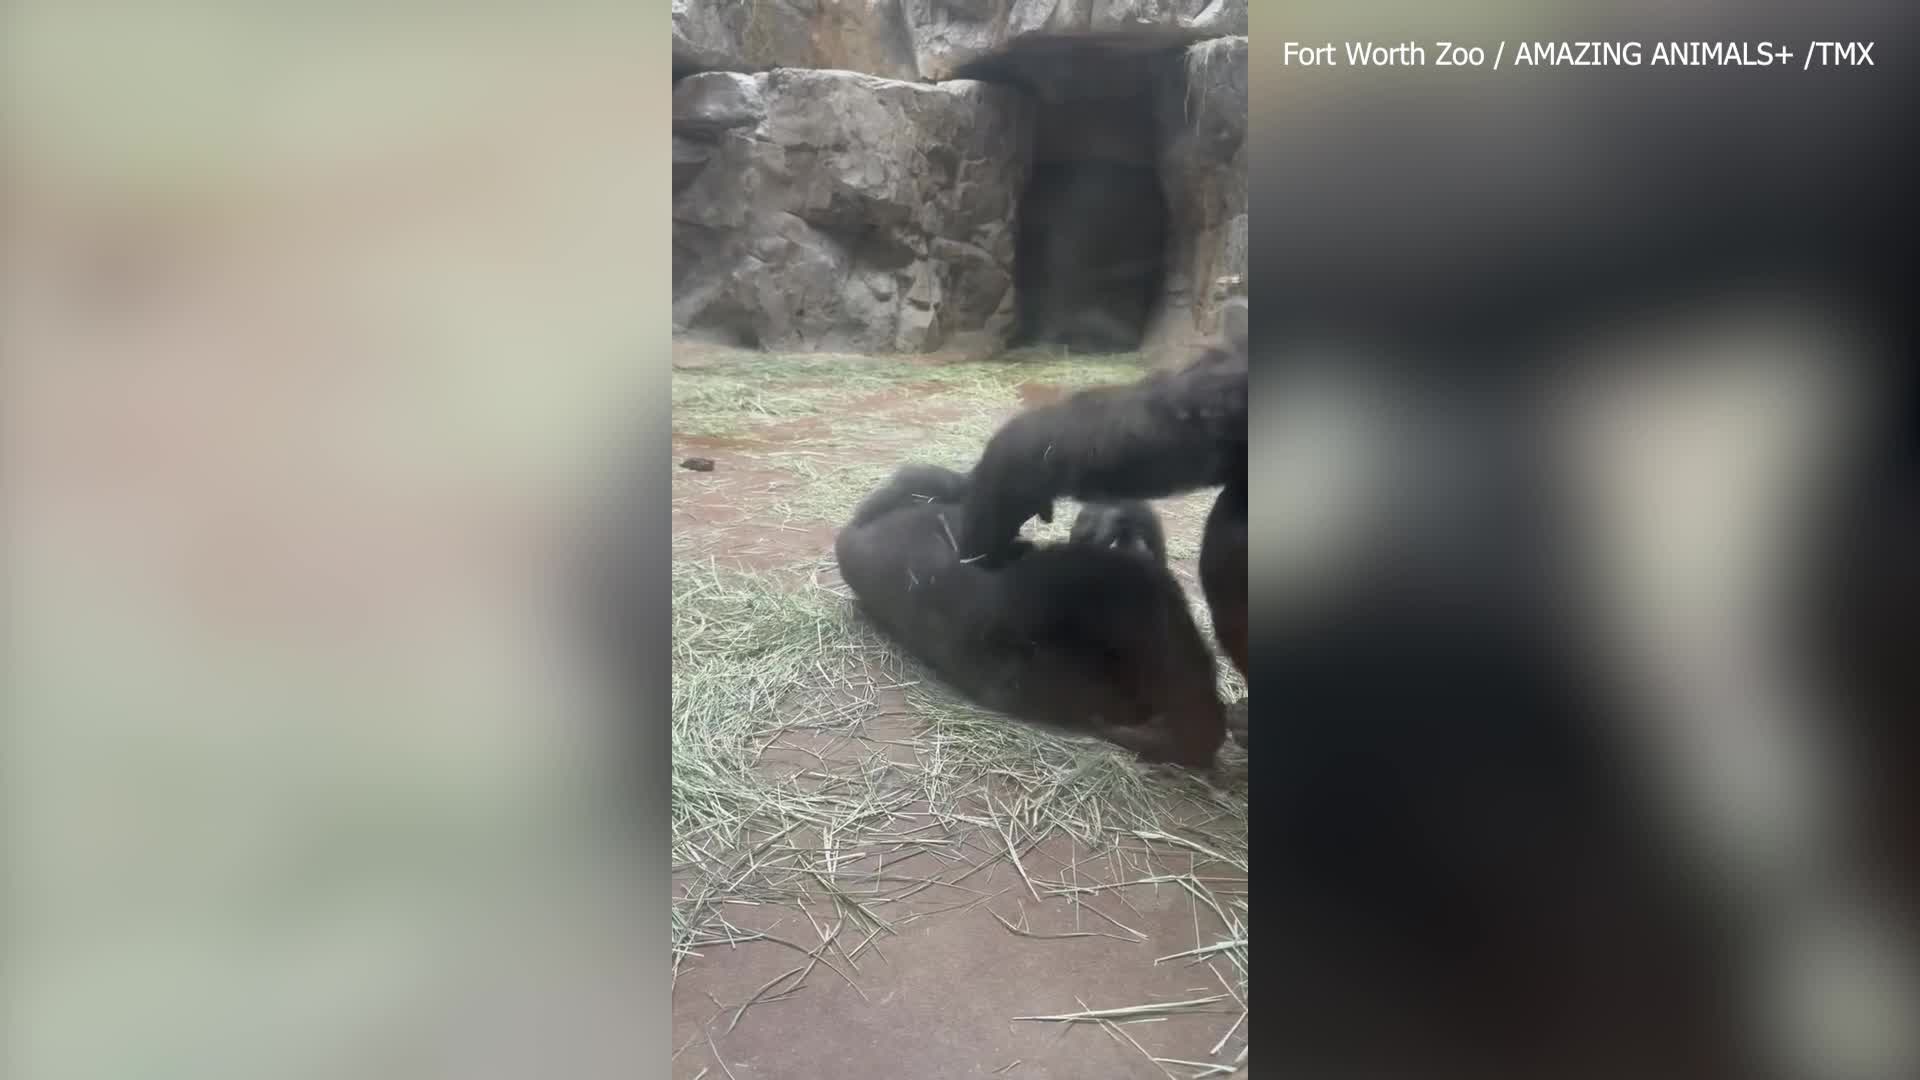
<point x="954" y="409"/>
<point x="791" y="795"/>
<point x="759" y="657"/>
<point x="746" y="390"/>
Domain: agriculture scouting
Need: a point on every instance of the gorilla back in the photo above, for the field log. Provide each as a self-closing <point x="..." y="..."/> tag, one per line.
<point x="1075" y="636"/>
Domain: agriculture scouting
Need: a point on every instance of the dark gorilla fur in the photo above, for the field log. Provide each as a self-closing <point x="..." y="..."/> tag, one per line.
<point x="1127" y="525"/>
<point x="1169" y="433"/>
<point x="1073" y="636"/>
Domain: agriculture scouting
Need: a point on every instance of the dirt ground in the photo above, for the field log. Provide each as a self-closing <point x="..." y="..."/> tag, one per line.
<point x="936" y="991"/>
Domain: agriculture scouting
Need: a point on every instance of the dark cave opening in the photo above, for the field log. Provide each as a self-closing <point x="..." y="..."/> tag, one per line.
<point x="1090" y="261"/>
<point x="1093" y="223"/>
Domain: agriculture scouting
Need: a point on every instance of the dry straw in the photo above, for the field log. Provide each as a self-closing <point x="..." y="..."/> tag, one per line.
<point x="817" y="771"/>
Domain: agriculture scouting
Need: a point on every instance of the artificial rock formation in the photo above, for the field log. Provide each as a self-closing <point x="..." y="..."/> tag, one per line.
<point x="908" y="39"/>
<point x="1201" y="115"/>
<point x="1077" y="176"/>
<point x="949" y="34"/>
<point x="829" y="210"/>
<point x="868" y="36"/>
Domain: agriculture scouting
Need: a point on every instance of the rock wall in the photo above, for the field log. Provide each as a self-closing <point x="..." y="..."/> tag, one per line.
<point x="947" y="34"/>
<point x="1201" y="115"/>
<point x="869" y="36"/>
<point x="910" y="39"/>
<point x="831" y="210"/>
<point x="839" y="201"/>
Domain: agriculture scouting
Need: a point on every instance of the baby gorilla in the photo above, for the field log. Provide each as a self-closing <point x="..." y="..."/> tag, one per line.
<point x="1075" y="636"/>
<point x="1130" y="525"/>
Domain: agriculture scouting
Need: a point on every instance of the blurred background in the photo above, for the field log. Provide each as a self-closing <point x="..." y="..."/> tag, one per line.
<point x="1586" y="584"/>
<point x="314" y="319"/>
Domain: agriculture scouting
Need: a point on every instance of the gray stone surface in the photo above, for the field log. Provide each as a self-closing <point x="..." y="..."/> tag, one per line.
<point x="826" y="195"/>
<point x="838" y="211"/>
<point x="947" y="34"/>
<point x="710" y="103"/>
<point x="1202" y="117"/>
<point x="869" y="36"/>
<point x="911" y="39"/>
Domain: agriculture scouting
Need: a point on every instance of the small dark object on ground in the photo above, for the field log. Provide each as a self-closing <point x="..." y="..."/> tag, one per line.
<point x="698" y="464"/>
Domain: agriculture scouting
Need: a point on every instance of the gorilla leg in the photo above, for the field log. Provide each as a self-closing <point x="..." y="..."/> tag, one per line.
<point x="1223" y="579"/>
<point x="1223" y="572"/>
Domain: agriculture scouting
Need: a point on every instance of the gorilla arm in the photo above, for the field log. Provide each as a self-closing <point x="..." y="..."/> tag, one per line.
<point x="1169" y="433"/>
